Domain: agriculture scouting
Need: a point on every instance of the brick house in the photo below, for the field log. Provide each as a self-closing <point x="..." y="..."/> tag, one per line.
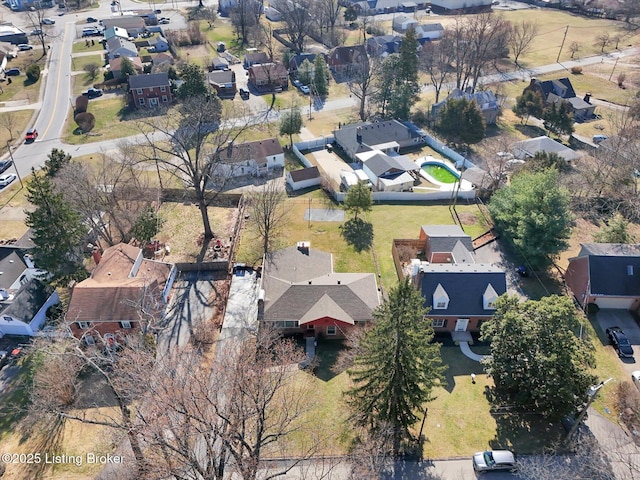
<point x="267" y="77"/>
<point x="150" y="90"/>
<point x="349" y="60"/>
<point x="302" y="294"/>
<point x="115" y="65"/>
<point x="223" y="82"/>
<point x="250" y="158"/>
<point x="123" y="293"/>
<point x="459" y="292"/>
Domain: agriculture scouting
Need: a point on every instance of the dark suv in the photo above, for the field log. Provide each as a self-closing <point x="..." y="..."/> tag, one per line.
<point x="620" y="342"/>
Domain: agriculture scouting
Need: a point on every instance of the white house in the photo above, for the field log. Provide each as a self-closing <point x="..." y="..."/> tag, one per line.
<point x="387" y="173"/>
<point x="119" y="47"/>
<point x="116" y="32"/>
<point x="304" y="178"/>
<point x="429" y="31"/>
<point x="252" y="158"/>
<point x="402" y="23"/>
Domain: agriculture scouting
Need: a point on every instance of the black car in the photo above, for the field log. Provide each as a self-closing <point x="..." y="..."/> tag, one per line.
<point x="91" y="20"/>
<point x="12" y="72"/>
<point x="5" y="164"/>
<point x="93" y="93"/>
<point x="620" y="342"/>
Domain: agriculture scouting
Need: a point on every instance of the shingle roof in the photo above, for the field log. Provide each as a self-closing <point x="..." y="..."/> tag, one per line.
<point x="614" y="275"/>
<point x="115" y="63"/>
<point x="124" y="22"/>
<point x="28" y="300"/>
<point x="220" y="77"/>
<point x="304" y="174"/>
<point x="372" y="134"/>
<point x="116" y="43"/>
<point x="116" y="263"/>
<point x="11" y="265"/>
<point x="149" y="80"/>
<point x="293" y="265"/>
<point x="610" y="249"/>
<point x="544" y="144"/>
<point x="269" y="72"/>
<point x="257" y="151"/>
<point x="556" y="86"/>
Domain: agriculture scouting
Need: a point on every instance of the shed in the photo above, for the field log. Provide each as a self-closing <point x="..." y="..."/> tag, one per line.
<point x="304" y="178"/>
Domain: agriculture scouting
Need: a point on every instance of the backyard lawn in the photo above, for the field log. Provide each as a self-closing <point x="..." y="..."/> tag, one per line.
<point x="78" y="63"/>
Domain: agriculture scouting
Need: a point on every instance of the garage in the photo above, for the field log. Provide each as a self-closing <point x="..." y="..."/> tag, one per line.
<point x="617" y="303"/>
<point x="11" y="326"/>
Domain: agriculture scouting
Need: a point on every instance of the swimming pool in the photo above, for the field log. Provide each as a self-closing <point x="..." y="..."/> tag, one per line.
<point x="440" y="172"/>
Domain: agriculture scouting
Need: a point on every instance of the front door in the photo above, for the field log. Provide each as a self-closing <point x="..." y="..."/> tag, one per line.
<point x="461" y="324"/>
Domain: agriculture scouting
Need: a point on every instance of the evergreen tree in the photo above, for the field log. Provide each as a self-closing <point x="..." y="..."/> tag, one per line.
<point x="126" y="67"/>
<point x="194" y="82"/>
<point x="396" y="368"/>
<point x="291" y="123"/>
<point x="358" y="199"/>
<point x="461" y="121"/>
<point x="56" y="160"/>
<point x="406" y="86"/>
<point x="57" y="230"/>
<point x="321" y="76"/>
<point x="350" y="14"/>
<point x="528" y="104"/>
<point x="147" y="225"/>
<point x="616" y="231"/>
<point x="384" y="84"/>
<point x="305" y="72"/>
<point x="558" y="119"/>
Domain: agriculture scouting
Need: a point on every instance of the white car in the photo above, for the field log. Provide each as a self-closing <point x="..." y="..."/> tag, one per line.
<point x="25" y="46"/>
<point x="48" y="21"/>
<point x="7" y="179"/>
<point x="304" y="89"/>
<point x="493" y="460"/>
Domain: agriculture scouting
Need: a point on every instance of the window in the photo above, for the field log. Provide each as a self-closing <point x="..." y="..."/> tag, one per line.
<point x="163" y="89"/>
<point x="286" y="324"/>
<point x="441" y="304"/>
<point x="164" y="99"/>
<point x="125" y="324"/>
<point x="439" y="322"/>
<point x="83" y="325"/>
<point x="310" y="327"/>
<point x="7" y="319"/>
<point x="139" y="91"/>
<point x="89" y="340"/>
<point x="331" y="330"/>
<point x="141" y="101"/>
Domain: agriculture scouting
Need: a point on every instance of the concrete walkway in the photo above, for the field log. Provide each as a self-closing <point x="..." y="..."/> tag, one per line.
<point x="466" y="350"/>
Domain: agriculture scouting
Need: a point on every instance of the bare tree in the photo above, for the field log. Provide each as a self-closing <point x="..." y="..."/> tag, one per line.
<point x="436" y="61"/>
<point x="268" y="214"/>
<point x="245" y="17"/>
<point x="574" y="48"/>
<point x="371" y="456"/>
<point x="603" y="40"/>
<point x="497" y="164"/>
<point x="9" y="120"/>
<point x="521" y="35"/>
<point x="298" y="21"/>
<point x="362" y="83"/>
<point x="329" y="13"/>
<point x="35" y="18"/>
<point x="92" y="70"/>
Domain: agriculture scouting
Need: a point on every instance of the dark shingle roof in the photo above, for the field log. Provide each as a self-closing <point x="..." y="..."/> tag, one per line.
<point x="557" y="86"/>
<point x="372" y="133"/>
<point x="613" y="275"/>
<point x="304" y="174"/>
<point x="11" y="265"/>
<point x="444" y="238"/>
<point x="149" y="80"/>
<point x="257" y="151"/>
<point x="219" y="77"/>
<point x="610" y="249"/>
<point x="28" y="301"/>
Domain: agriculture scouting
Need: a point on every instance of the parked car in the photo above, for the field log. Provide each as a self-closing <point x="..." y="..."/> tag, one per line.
<point x="599" y="139"/>
<point x="36" y="31"/>
<point x="620" y="342"/>
<point x="48" y="21"/>
<point x="93" y="93"/>
<point x="31" y="135"/>
<point x="304" y="89"/>
<point x="12" y="72"/>
<point x="91" y="20"/>
<point x="24" y="46"/>
<point x="151" y="49"/>
<point x="493" y="460"/>
<point x="296" y="83"/>
<point x="244" y="93"/>
<point x="163" y="21"/>
<point x="6" y="179"/>
<point x="5" y="164"/>
<point x="91" y="32"/>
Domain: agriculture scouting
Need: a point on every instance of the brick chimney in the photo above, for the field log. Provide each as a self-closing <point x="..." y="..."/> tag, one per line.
<point x="587" y="98"/>
<point x="96" y="254"/>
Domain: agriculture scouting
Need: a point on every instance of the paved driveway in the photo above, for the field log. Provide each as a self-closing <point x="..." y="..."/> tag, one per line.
<point x="607" y="318"/>
<point x="331" y="164"/>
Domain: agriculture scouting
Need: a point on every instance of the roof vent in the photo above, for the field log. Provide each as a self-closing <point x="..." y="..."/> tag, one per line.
<point x="338" y="282"/>
<point x="309" y="282"/>
<point x="630" y="270"/>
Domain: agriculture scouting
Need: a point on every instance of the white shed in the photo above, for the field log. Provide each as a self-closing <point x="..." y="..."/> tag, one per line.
<point x="304" y="178"/>
<point x="402" y="23"/>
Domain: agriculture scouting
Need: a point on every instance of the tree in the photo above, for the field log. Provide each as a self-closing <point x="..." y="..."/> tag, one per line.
<point x="82" y="103"/>
<point x="532" y="213"/>
<point x="329" y="15"/>
<point x="363" y="83"/>
<point x="528" y="104"/>
<point x="321" y="76"/>
<point x="615" y="231"/>
<point x="603" y="40"/>
<point x="537" y="360"/>
<point x="127" y="68"/>
<point x="291" y="123"/>
<point x="574" y="48"/>
<point x="33" y="72"/>
<point x="86" y="121"/>
<point x="56" y="161"/>
<point x="397" y="368"/>
<point x="245" y="17"/>
<point x="34" y="19"/>
<point x="298" y="21"/>
<point x="435" y="60"/>
<point x="350" y="14"/>
<point x="358" y="199"/>
<point x="147" y="225"/>
<point x="521" y="36"/>
<point x="383" y="88"/>
<point x="305" y="72"/>
<point x="461" y="121"/>
<point x="558" y="118"/>
<point x="268" y="214"/>
<point x="194" y="82"/>
<point x="544" y="160"/>
<point x="57" y="230"/>
<point x="9" y="120"/>
<point x="92" y="69"/>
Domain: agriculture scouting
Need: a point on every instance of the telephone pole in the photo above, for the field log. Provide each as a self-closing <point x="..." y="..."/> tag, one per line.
<point x="566" y="30"/>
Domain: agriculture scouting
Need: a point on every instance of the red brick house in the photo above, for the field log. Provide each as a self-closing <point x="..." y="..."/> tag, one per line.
<point x="348" y="60"/>
<point x="302" y="294"/>
<point x="123" y="294"/>
<point x="267" y="77"/>
<point x="150" y="90"/>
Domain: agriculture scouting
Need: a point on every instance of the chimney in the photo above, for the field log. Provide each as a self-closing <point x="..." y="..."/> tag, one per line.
<point x="304" y="247"/>
<point x="96" y="254"/>
<point x="587" y="98"/>
<point x="28" y="260"/>
<point x="338" y="282"/>
<point x="358" y="135"/>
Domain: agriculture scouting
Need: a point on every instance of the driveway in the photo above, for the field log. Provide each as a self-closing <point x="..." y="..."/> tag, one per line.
<point x="331" y="164"/>
<point x="607" y="318"/>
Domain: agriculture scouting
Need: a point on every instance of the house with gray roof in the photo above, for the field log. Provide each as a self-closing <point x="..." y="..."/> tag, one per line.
<point x="528" y="148"/>
<point x="402" y="23"/>
<point x="606" y="275"/>
<point x="303" y="295"/>
<point x="428" y="31"/>
<point x="486" y="101"/>
<point x="459" y="292"/>
<point x="561" y="90"/>
<point x="255" y="158"/>
<point x="120" y="47"/>
<point x="132" y="24"/>
<point x="150" y="90"/>
<point x="383" y="45"/>
<point x="388" y="173"/>
<point x="303" y="178"/>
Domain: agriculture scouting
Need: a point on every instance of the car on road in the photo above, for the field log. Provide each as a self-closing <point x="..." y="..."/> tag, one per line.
<point x="36" y="31"/>
<point x="7" y="178"/>
<point x="244" y="94"/>
<point x="48" y="21"/>
<point x="24" y="46"/>
<point x="91" y="20"/>
<point x="163" y="21"/>
<point x="304" y="89"/>
<point x="12" y="72"/>
<point x="620" y="342"/>
<point x="494" y="460"/>
<point x="297" y="83"/>
<point x="31" y="135"/>
<point x="5" y="164"/>
<point x="93" y="93"/>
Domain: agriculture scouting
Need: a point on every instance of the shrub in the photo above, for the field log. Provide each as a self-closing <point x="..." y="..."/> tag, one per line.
<point x="82" y="103"/>
<point x="92" y="70"/>
<point x="86" y="121"/>
<point x="576" y="70"/>
<point x="33" y="72"/>
<point x="108" y="75"/>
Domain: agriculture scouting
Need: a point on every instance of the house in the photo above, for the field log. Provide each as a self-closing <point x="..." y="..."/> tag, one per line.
<point x="487" y="103"/>
<point x="254" y="58"/>
<point x="606" y="275"/>
<point x="561" y="90"/>
<point x="119" y="47"/>
<point x="251" y="158"/>
<point x="459" y="292"/>
<point x="348" y="60"/>
<point x="267" y="77"/>
<point x="383" y="45"/>
<point x="24" y="298"/>
<point x="297" y="60"/>
<point x="429" y="31"/>
<point x="303" y="295"/>
<point x="158" y="44"/>
<point x="460" y="6"/>
<point x="402" y="23"/>
<point x="115" y="32"/>
<point x="132" y="24"/>
<point x="388" y="136"/>
<point x="124" y="292"/>
<point x="150" y="90"/>
<point x="272" y="14"/>
<point x="218" y="63"/>
<point x="528" y="148"/>
<point x="303" y="178"/>
<point x="9" y="33"/>
<point x="161" y="59"/>
<point x="387" y="173"/>
<point x="223" y="82"/>
<point x="116" y="63"/>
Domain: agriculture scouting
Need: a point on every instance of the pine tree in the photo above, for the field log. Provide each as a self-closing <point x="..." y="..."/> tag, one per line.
<point x="558" y="119"/>
<point x="528" y="104"/>
<point x="321" y="76"/>
<point x="291" y="123"/>
<point x="57" y="230"/>
<point x="406" y="86"/>
<point x="397" y="367"/>
<point x="56" y="160"/>
<point x="358" y="199"/>
<point x="461" y="121"/>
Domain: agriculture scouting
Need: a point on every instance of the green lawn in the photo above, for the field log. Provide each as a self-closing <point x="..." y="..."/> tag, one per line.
<point x="78" y="63"/>
<point x="20" y="88"/>
<point x="81" y="47"/>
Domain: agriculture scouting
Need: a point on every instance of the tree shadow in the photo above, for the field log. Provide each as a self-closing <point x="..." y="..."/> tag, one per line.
<point x="357" y="233"/>
<point x="531" y="131"/>
<point x="45" y="438"/>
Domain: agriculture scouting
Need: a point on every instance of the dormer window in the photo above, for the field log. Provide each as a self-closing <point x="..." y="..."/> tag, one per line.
<point x="440" y="298"/>
<point x="489" y="298"/>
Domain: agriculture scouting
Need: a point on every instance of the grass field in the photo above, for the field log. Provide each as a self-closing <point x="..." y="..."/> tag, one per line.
<point x="78" y="63"/>
<point x="20" y="87"/>
<point x="81" y="47"/>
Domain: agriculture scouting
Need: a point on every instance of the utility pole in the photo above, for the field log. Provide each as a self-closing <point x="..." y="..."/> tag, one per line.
<point x="566" y="30"/>
<point x="614" y="68"/>
<point x="592" y="394"/>
<point x="14" y="164"/>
